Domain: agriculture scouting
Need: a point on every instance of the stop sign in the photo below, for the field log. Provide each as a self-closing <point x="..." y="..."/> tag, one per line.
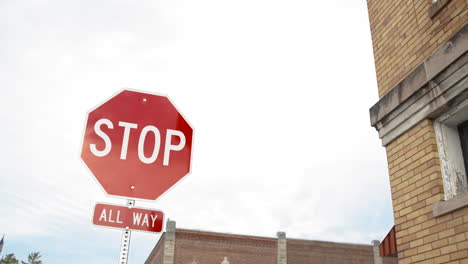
<point x="137" y="145"/>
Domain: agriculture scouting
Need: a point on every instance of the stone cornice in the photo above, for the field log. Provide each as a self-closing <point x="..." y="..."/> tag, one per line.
<point x="439" y="81"/>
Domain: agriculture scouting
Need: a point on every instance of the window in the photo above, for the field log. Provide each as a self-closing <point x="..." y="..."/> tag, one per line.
<point x="463" y="133"/>
<point x="452" y="134"/>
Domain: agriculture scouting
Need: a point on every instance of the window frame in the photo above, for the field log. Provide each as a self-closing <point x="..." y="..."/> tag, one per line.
<point x="452" y="162"/>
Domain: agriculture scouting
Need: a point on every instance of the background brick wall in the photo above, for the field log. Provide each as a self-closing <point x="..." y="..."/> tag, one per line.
<point x="157" y="255"/>
<point x="318" y="252"/>
<point x="211" y="248"/>
<point x="416" y="183"/>
<point x="403" y="35"/>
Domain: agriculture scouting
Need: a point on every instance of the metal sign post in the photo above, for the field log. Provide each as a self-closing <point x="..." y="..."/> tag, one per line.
<point x="125" y="244"/>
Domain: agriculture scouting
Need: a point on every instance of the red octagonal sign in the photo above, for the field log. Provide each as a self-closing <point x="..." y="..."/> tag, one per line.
<point x="137" y="145"/>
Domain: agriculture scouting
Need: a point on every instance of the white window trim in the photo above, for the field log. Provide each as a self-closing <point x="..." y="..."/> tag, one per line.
<point x="450" y="151"/>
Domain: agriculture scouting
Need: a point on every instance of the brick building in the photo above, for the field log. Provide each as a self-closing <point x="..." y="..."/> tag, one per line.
<point x="182" y="246"/>
<point x="420" y="53"/>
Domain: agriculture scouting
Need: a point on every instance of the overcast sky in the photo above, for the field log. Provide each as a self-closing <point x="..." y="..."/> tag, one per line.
<point x="278" y="93"/>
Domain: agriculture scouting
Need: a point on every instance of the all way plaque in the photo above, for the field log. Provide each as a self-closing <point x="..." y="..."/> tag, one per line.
<point x="132" y="218"/>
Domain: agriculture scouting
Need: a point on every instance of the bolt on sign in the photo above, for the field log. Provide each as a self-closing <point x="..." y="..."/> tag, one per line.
<point x="137" y="146"/>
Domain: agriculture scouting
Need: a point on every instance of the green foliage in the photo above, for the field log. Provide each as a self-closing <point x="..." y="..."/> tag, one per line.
<point x="33" y="258"/>
<point x="9" y="259"/>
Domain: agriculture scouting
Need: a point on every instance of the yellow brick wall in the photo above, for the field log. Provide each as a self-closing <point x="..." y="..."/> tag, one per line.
<point x="416" y="183"/>
<point x="403" y="35"/>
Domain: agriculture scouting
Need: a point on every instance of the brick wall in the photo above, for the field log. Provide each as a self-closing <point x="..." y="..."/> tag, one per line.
<point x="416" y="183"/>
<point x="211" y="248"/>
<point x="157" y="255"/>
<point x="403" y="35"/>
<point x="319" y="252"/>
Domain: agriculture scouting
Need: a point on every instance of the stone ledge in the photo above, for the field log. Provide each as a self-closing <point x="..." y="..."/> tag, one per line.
<point x="437" y="6"/>
<point x="421" y="87"/>
<point x="444" y="207"/>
